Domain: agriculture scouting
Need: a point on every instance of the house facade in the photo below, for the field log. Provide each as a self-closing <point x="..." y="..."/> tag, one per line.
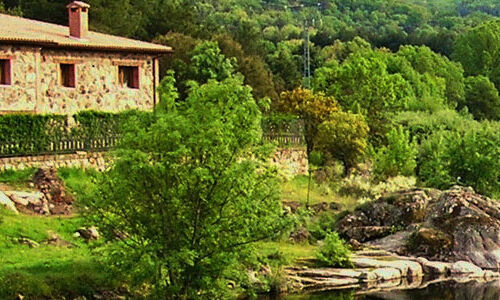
<point x="47" y="68"/>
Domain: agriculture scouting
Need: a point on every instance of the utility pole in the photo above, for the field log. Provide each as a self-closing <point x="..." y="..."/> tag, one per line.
<point x="307" y="55"/>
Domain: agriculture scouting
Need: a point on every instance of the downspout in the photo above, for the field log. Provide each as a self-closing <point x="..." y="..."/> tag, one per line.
<point x="155" y="82"/>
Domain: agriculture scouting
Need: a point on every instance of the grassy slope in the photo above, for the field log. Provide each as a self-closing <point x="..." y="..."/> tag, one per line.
<point x="48" y="271"/>
<point x="295" y="190"/>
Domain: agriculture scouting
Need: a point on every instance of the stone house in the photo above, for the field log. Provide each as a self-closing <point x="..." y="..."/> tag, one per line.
<point x="48" y="68"/>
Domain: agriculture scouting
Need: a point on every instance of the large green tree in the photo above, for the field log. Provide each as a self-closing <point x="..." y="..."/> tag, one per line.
<point x="188" y="193"/>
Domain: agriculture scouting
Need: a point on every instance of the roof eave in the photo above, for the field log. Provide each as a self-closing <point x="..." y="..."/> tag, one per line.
<point x="35" y="42"/>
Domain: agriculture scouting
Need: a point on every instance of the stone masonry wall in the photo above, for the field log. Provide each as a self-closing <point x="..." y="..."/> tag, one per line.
<point x="35" y="81"/>
<point x="290" y="162"/>
<point x="21" y="95"/>
<point x="94" y="160"/>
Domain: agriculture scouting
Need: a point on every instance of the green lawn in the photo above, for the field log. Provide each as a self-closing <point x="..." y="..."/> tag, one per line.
<point x="46" y="271"/>
<point x="295" y="190"/>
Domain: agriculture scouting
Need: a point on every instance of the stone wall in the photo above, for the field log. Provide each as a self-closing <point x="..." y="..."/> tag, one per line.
<point x="94" y="160"/>
<point x="21" y="95"/>
<point x="291" y="161"/>
<point x="35" y="81"/>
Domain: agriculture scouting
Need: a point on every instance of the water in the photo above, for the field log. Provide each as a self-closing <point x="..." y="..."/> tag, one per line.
<point x="440" y="290"/>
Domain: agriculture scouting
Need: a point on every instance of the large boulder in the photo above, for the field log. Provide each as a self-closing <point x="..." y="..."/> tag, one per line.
<point x="454" y="225"/>
<point x="7" y="203"/>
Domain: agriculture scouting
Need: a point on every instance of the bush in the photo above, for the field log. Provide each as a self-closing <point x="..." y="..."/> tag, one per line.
<point x="398" y="157"/>
<point x="470" y="158"/>
<point x="344" y="137"/>
<point x="190" y="192"/>
<point x="335" y="252"/>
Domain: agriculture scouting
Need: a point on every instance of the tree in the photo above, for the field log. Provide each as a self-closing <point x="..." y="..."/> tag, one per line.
<point x="312" y="108"/>
<point x="344" y="136"/>
<point x="398" y="157"/>
<point x="363" y="84"/>
<point x="478" y="51"/>
<point x="482" y="98"/>
<point x="189" y="193"/>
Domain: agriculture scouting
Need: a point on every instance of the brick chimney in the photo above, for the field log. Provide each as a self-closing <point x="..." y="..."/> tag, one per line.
<point x="78" y="19"/>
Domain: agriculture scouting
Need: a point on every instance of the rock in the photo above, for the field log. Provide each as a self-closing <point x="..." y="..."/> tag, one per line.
<point x="300" y="235"/>
<point x="366" y="233"/>
<point x="355" y="244"/>
<point x="26" y="241"/>
<point x="335" y="206"/>
<point x="56" y="200"/>
<point x="386" y="274"/>
<point x="320" y="207"/>
<point x="453" y="225"/>
<point x="464" y="267"/>
<point x="7" y="203"/>
<point x="25" y="198"/>
<point x="292" y="206"/>
<point x="90" y="233"/>
<point x="56" y="240"/>
<point x="407" y="268"/>
<point x="433" y="267"/>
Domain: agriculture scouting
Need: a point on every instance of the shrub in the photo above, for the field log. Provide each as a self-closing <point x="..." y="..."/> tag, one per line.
<point x="190" y="192"/>
<point x="469" y="158"/>
<point x="335" y="252"/>
<point x="398" y="157"/>
<point x="344" y="137"/>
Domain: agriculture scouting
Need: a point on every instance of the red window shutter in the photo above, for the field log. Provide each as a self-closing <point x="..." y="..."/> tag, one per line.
<point x="135" y="77"/>
<point x="8" y="72"/>
<point x="71" y="76"/>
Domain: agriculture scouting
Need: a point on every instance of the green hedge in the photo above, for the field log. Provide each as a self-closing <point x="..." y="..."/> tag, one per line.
<point x="25" y="134"/>
<point x="30" y="134"/>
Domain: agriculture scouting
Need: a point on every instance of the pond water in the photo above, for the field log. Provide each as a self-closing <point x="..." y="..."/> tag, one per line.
<point x="444" y="290"/>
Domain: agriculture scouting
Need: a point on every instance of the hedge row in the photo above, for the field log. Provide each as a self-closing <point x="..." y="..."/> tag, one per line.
<point x="24" y="134"/>
<point x="29" y="134"/>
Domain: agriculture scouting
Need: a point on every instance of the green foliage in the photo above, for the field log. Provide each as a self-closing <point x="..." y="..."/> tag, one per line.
<point x="187" y="193"/>
<point x="207" y="62"/>
<point x="312" y="108"/>
<point x="478" y="50"/>
<point x="168" y="92"/>
<point x="48" y="272"/>
<point x="344" y="137"/>
<point x="363" y="84"/>
<point x="482" y="98"/>
<point x="334" y="252"/>
<point x="78" y="181"/>
<point x="27" y="133"/>
<point x="17" y="177"/>
<point x="398" y="157"/>
<point x="467" y="158"/>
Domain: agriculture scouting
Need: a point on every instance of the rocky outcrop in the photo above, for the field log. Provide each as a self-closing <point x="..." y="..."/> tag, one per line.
<point x="454" y="225"/>
<point x="55" y="197"/>
<point x="384" y="270"/>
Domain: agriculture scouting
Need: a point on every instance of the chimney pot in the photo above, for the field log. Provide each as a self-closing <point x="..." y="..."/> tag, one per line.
<point x="78" y="19"/>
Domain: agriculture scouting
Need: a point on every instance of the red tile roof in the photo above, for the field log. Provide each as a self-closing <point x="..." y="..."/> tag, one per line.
<point x="21" y="30"/>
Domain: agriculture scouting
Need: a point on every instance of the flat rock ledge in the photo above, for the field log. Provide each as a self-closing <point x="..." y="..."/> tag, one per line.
<point x="379" y="269"/>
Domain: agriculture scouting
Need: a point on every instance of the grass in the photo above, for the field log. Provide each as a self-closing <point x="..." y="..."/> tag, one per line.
<point x="17" y="178"/>
<point x="295" y="190"/>
<point x="78" y="181"/>
<point x="47" y="272"/>
<point x="291" y="253"/>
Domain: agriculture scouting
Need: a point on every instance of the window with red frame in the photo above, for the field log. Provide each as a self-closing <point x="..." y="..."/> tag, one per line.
<point x="128" y="76"/>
